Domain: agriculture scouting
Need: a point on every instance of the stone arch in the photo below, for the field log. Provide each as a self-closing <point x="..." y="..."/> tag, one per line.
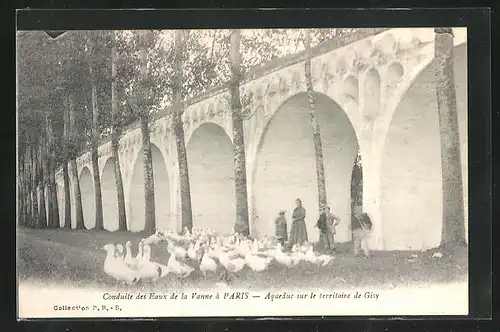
<point x="136" y="203"/>
<point x="210" y="162"/>
<point x="371" y="95"/>
<point x="351" y="87"/>
<point x="88" y="198"/>
<point x="411" y="193"/>
<point x="192" y="129"/>
<point x="109" y="198"/>
<point x="394" y="73"/>
<point x="284" y="166"/>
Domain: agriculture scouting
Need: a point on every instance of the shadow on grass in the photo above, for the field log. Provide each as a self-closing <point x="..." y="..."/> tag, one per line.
<point x="70" y="257"/>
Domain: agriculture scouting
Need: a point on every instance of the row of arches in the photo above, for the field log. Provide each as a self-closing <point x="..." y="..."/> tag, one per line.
<point x="284" y="168"/>
<point x="372" y="87"/>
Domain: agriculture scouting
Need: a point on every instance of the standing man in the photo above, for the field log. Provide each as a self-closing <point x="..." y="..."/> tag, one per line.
<point x="326" y="224"/>
<point x="281" y="231"/>
<point x="361" y="226"/>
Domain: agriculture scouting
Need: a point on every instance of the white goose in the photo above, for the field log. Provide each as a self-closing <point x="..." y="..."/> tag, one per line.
<point x="242" y="248"/>
<point x="139" y="255"/>
<point x="151" y="270"/>
<point x="154" y="238"/>
<point x="283" y="258"/>
<point x="325" y="258"/>
<point x="119" y="252"/>
<point x="207" y="263"/>
<point x="232" y="265"/>
<point x="177" y="267"/>
<point x="257" y="263"/>
<point x="179" y="252"/>
<point x="192" y="254"/>
<point x="129" y="259"/>
<point x="116" y="267"/>
<point x="311" y="257"/>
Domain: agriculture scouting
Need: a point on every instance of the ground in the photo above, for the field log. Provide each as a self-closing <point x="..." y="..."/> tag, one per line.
<point x="71" y="257"/>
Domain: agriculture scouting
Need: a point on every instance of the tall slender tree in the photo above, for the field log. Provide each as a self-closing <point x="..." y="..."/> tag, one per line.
<point x="42" y="219"/>
<point x="54" y="217"/>
<point x="67" y="193"/>
<point x="99" y="222"/>
<point x="21" y="215"/>
<point x="453" y="229"/>
<point x="46" y="165"/>
<point x="320" y="168"/>
<point x="34" y="163"/>
<point x="73" y="146"/>
<point x="29" y="204"/>
<point x="122" y="217"/>
<point x="187" y="213"/>
<point x="149" y="189"/>
<point x="240" y="175"/>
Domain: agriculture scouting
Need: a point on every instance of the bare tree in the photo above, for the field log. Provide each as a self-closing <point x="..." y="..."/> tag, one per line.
<point x="187" y="213"/>
<point x="320" y="168"/>
<point x="240" y="176"/>
<point x="122" y="217"/>
<point x="453" y="231"/>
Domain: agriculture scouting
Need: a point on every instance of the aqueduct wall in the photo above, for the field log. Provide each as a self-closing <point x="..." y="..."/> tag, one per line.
<point x="375" y="95"/>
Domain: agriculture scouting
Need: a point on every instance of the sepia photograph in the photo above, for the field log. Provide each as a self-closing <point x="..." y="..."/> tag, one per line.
<point x="242" y="172"/>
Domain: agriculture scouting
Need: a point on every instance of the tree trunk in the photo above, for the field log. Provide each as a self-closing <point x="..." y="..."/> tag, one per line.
<point x="186" y="207"/>
<point x="41" y="188"/>
<point x="29" y="205"/>
<point x="320" y="169"/>
<point x="149" y="190"/>
<point x="34" y="189"/>
<point x="240" y="174"/>
<point x="67" y="194"/>
<point x="122" y="216"/>
<point x="46" y="174"/>
<point x="453" y="230"/>
<point x="21" y="215"/>
<point x="80" y="224"/>
<point x="99" y="223"/>
<point x="52" y="178"/>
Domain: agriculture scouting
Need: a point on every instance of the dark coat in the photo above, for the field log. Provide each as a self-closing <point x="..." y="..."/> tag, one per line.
<point x="281" y="228"/>
<point x="363" y="222"/>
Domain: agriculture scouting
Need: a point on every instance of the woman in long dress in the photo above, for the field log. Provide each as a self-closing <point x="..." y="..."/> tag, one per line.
<point x="298" y="231"/>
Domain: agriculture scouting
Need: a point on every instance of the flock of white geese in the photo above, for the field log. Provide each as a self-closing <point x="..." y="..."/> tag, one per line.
<point x="202" y="249"/>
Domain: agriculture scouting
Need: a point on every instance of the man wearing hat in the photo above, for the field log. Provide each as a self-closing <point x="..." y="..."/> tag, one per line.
<point x="281" y="227"/>
<point x="326" y="224"/>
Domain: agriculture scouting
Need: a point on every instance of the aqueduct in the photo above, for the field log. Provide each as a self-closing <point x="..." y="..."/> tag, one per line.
<point x="375" y="95"/>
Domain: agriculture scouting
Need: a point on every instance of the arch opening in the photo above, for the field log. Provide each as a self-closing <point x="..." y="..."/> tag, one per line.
<point x="60" y="202"/>
<point x="285" y="168"/>
<point x="109" y="198"/>
<point x="351" y="88"/>
<point x="395" y="72"/>
<point x="211" y="173"/>
<point x="88" y="199"/>
<point x="136" y="217"/>
<point x="411" y="192"/>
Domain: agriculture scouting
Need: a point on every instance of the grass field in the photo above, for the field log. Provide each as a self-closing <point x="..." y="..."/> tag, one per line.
<point x="74" y="258"/>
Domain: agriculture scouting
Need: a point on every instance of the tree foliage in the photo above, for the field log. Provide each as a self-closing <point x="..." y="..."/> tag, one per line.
<point x="50" y="70"/>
